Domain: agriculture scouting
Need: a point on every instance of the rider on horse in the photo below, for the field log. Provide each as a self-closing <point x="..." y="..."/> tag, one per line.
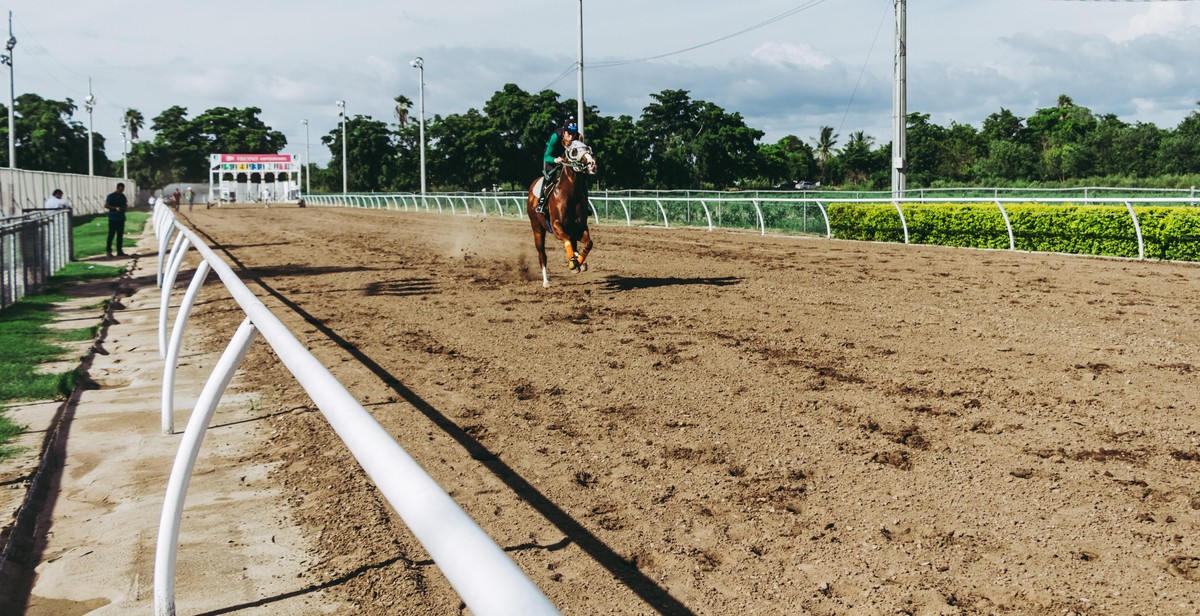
<point x="556" y="147"/>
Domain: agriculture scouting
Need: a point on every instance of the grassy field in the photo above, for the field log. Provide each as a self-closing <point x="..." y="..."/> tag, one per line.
<point x="26" y="342"/>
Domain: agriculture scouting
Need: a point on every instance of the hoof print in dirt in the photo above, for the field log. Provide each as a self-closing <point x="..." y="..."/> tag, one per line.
<point x="585" y="479"/>
<point x="898" y="459"/>
<point x="1186" y="567"/>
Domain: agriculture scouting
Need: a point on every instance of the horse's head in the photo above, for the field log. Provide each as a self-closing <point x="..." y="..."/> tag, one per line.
<point x="580" y="159"/>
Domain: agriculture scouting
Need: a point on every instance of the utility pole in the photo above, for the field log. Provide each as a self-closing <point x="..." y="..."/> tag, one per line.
<point x="899" y="105"/>
<point x="579" y="113"/>
<point x="89" y="103"/>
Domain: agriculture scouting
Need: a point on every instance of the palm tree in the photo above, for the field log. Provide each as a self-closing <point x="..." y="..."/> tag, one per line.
<point x="403" y="106"/>
<point x="825" y="147"/>
<point x="134" y="120"/>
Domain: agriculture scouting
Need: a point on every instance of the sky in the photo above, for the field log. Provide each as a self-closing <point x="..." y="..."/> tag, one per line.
<point x="788" y="67"/>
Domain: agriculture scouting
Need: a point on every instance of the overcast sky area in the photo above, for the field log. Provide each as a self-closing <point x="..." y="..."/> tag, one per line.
<point x="823" y="63"/>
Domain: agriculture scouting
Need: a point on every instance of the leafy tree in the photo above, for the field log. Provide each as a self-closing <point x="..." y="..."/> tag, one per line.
<point x="825" y="150"/>
<point x="134" y="121"/>
<point x="787" y="160"/>
<point x="620" y="149"/>
<point x="370" y="160"/>
<point x="403" y="106"/>
<point x="923" y="145"/>
<point x="959" y="149"/>
<point x="47" y="138"/>
<point x="856" y="157"/>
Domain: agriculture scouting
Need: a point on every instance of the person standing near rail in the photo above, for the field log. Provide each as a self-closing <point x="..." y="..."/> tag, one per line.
<point x="55" y="201"/>
<point x="116" y="203"/>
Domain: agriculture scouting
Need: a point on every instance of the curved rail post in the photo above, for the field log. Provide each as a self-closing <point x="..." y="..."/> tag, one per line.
<point x="825" y="215"/>
<point x="168" y="384"/>
<point x="1137" y="228"/>
<point x="707" y="214"/>
<point x="628" y="216"/>
<point x="762" y="223"/>
<point x="181" y="246"/>
<point x="185" y="461"/>
<point x="163" y="239"/>
<point x="903" y="223"/>
<point x="1012" y="240"/>
<point x="664" y="213"/>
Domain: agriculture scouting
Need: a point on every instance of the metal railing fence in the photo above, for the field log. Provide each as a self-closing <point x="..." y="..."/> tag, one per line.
<point x="487" y="580"/>
<point x="32" y="248"/>
<point x="782" y="213"/>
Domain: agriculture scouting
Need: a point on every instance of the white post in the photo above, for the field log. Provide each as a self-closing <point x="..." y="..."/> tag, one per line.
<point x="419" y="64"/>
<point x="185" y="460"/>
<point x="342" y="105"/>
<point x="168" y="384"/>
<point x="579" y="102"/>
<point x="90" y="103"/>
<point x="12" y="99"/>
<point x="899" y="105"/>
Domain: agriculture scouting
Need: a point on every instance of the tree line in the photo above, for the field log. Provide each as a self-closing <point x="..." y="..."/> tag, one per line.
<point x="677" y="142"/>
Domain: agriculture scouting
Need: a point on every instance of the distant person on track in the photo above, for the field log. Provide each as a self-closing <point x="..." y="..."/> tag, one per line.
<point x="55" y="201"/>
<point x="176" y="198"/>
<point x="116" y="204"/>
<point x="191" y="197"/>
<point x="556" y="147"/>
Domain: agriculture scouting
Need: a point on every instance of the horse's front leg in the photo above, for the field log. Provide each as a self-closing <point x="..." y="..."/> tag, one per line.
<point x="568" y="245"/>
<point x="539" y="242"/>
<point x="585" y="241"/>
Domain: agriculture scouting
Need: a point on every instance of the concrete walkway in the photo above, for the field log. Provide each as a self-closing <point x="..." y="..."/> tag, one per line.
<point x="99" y="463"/>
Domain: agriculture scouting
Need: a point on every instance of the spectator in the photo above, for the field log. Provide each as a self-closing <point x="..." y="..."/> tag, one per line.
<point x="55" y="201"/>
<point x="116" y="204"/>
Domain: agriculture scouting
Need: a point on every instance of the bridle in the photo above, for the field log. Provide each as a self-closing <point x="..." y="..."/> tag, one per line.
<point x="579" y="158"/>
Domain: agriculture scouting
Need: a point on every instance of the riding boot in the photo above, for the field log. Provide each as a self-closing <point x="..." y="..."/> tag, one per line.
<point x="541" y="204"/>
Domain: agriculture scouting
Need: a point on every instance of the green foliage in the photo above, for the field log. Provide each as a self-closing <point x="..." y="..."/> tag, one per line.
<point x="49" y="140"/>
<point x="1168" y="232"/>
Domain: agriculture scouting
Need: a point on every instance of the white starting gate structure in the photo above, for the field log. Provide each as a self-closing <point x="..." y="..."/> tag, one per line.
<point x="248" y="178"/>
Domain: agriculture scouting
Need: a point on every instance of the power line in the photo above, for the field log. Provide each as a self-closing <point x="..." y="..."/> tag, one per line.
<point x="784" y="15"/>
<point x="864" y="67"/>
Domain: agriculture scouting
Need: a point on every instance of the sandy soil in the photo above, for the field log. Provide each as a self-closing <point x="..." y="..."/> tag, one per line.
<point x="723" y="423"/>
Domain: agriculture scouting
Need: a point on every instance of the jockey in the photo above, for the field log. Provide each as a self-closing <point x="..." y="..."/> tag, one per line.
<point x="556" y="147"/>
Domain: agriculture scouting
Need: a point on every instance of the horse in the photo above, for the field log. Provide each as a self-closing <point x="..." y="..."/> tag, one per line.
<point x="567" y="210"/>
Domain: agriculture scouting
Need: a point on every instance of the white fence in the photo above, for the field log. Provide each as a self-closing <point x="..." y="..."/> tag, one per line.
<point x="25" y="190"/>
<point x="486" y="579"/>
<point x="802" y="214"/>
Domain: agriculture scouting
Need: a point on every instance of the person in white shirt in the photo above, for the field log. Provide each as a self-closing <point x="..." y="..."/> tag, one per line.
<point x="55" y="201"/>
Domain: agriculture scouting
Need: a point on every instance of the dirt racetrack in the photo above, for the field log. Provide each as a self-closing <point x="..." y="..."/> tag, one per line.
<point x="724" y="423"/>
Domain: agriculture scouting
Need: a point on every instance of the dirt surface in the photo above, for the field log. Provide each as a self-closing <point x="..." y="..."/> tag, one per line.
<point x="723" y="423"/>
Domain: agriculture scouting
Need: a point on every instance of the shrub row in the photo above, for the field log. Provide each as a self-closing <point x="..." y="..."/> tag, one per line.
<point x="1167" y="232"/>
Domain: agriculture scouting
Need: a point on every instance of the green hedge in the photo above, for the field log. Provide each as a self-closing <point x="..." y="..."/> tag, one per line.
<point x="1167" y="232"/>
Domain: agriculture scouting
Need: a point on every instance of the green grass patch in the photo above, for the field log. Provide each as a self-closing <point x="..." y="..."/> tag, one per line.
<point x="26" y="342"/>
<point x="91" y="232"/>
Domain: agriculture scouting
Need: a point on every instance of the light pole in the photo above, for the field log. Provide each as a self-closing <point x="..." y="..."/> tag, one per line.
<point x="125" y="145"/>
<point x="342" y="105"/>
<point x="899" y="103"/>
<point x="307" y="168"/>
<point x="579" y="113"/>
<point x="89" y="103"/>
<point x="419" y="64"/>
<point x="12" y="131"/>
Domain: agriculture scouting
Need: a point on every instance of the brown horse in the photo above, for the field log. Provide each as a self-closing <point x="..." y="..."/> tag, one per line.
<point x="567" y="210"/>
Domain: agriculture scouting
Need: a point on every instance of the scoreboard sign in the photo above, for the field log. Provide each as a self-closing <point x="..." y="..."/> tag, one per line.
<point x="256" y="163"/>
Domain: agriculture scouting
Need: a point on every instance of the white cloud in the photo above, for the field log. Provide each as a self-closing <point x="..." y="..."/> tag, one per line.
<point x="785" y="55"/>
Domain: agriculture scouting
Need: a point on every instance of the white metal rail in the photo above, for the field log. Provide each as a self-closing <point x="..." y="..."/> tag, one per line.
<point x="652" y="208"/>
<point x="484" y="576"/>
